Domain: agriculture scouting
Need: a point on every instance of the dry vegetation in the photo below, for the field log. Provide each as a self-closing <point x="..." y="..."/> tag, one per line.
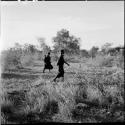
<point x="93" y="91"/>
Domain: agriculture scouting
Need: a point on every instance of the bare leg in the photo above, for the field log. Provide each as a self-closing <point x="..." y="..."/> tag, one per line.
<point x="56" y="78"/>
<point x="43" y="70"/>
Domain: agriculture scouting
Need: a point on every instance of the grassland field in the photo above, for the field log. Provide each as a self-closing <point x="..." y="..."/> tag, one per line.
<point x="90" y="93"/>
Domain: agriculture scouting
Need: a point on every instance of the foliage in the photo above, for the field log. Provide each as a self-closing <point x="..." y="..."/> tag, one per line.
<point x="106" y="47"/>
<point x="84" y="53"/>
<point x="90" y="93"/>
<point x="11" y="58"/>
<point x="65" y="41"/>
<point x="93" y="51"/>
<point x="93" y="89"/>
<point x="18" y="56"/>
<point x="44" y="47"/>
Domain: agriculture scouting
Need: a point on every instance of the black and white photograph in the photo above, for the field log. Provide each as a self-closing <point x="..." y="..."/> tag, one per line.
<point x="61" y="62"/>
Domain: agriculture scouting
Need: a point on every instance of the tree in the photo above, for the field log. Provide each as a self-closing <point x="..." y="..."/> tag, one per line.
<point x="29" y="49"/>
<point x="114" y="50"/>
<point x="44" y="47"/>
<point x="65" y="41"/>
<point x="105" y="48"/>
<point x="84" y="53"/>
<point x="93" y="51"/>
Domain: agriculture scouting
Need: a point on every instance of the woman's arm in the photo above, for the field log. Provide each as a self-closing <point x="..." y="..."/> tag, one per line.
<point x="66" y="63"/>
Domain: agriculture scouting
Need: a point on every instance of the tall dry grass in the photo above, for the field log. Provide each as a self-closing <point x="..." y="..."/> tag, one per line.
<point x="92" y="91"/>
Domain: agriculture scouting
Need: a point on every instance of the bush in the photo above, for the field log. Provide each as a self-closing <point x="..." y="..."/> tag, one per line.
<point x="107" y="61"/>
<point x="27" y="60"/>
<point x="11" y="59"/>
<point x="110" y="61"/>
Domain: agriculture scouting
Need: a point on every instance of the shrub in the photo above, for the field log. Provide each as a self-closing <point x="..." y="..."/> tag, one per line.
<point x="11" y="59"/>
<point x="27" y="60"/>
<point x="107" y="61"/>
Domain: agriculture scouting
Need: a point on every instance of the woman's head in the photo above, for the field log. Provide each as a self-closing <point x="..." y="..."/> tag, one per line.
<point x="48" y="53"/>
<point x="62" y="52"/>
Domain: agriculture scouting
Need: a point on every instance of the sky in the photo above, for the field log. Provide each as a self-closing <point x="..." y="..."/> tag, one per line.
<point x="94" y="22"/>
